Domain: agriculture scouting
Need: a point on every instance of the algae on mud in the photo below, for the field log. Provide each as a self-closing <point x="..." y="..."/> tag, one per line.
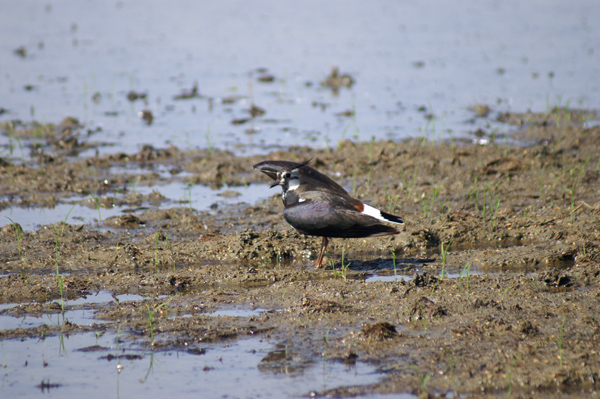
<point x="526" y="218"/>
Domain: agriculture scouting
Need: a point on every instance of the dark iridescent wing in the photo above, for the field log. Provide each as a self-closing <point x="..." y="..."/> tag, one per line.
<point x="322" y="218"/>
<point x="339" y="200"/>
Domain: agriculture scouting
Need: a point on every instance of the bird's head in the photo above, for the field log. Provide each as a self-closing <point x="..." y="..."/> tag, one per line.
<point x="286" y="174"/>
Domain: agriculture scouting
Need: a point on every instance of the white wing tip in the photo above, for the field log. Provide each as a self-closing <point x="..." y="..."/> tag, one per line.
<point x="373" y="212"/>
<point x="376" y="213"/>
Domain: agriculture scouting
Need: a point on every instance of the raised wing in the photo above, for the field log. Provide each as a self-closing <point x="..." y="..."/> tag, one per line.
<point x="309" y="175"/>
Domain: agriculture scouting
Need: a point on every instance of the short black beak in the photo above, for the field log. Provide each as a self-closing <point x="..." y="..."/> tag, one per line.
<point x="271" y="169"/>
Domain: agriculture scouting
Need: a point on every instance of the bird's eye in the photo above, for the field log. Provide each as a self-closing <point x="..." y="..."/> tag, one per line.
<point x="287" y="175"/>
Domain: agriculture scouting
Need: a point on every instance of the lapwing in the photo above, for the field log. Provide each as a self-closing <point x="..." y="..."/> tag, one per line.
<point x="316" y="205"/>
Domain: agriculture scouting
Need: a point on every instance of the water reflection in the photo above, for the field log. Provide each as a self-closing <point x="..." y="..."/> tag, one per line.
<point x="283" y="360"/>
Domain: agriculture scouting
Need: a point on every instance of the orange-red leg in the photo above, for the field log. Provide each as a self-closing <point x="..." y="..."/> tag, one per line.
<point x="319" y="263"/>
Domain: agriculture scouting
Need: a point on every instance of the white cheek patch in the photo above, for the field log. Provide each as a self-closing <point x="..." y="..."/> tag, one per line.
<point x="376" y="213"/>
<point x="301" y="199"/>
<point x="293" y="183"/>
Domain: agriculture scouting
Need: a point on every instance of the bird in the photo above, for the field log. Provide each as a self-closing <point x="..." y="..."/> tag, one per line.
<point x="316" y="205"/>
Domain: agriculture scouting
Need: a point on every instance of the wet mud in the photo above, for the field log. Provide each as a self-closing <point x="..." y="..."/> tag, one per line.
<point x="491" y="288"/>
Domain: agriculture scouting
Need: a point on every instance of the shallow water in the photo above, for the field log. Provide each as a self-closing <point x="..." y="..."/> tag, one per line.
<point x="407" y="277"/>
<point x="87" y="363"/>
<point x="77" y="211"/>
<point x="80" y="316"/>
<point x="416" y="70"/>
<point x="246" y="368"/>
<point x="237" y="312"/>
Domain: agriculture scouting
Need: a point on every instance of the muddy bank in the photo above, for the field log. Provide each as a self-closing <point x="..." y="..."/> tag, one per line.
<point x="522" y="224"/>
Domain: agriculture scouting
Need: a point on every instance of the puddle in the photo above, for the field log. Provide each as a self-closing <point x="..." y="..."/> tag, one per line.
<point x="163" y="171"/>
<point x="77" y="316"/>
<point x="83" y="316"/>
<point x="104" y="297"/>
<point x="203" y="198"/>
<point x="238" y="312"/>
<point x="32" y="218"/>
<point x="199" y="197"/>
<point x="86" y="365"/>
<point x="378" y="276"/>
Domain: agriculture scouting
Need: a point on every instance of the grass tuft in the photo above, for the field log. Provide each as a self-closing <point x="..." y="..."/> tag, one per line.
<point x="151" y="311"/>
<point x="60" y="279"/>
<point x="444" y="253"/>
<point x="22" y="256"/>
<point x="423" y="377"/>
<point x="428" y="206"/>
<point x="343" y="270"/>
<point x="97" y="203"/>
<point x="466" y="269"/>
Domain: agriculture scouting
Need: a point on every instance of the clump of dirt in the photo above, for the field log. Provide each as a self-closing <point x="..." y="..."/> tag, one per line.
<point x="520" y="229"/>
<point x="54" y="142"/>
<point x="336" y="80"/>
<point x="379" y="331"/>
